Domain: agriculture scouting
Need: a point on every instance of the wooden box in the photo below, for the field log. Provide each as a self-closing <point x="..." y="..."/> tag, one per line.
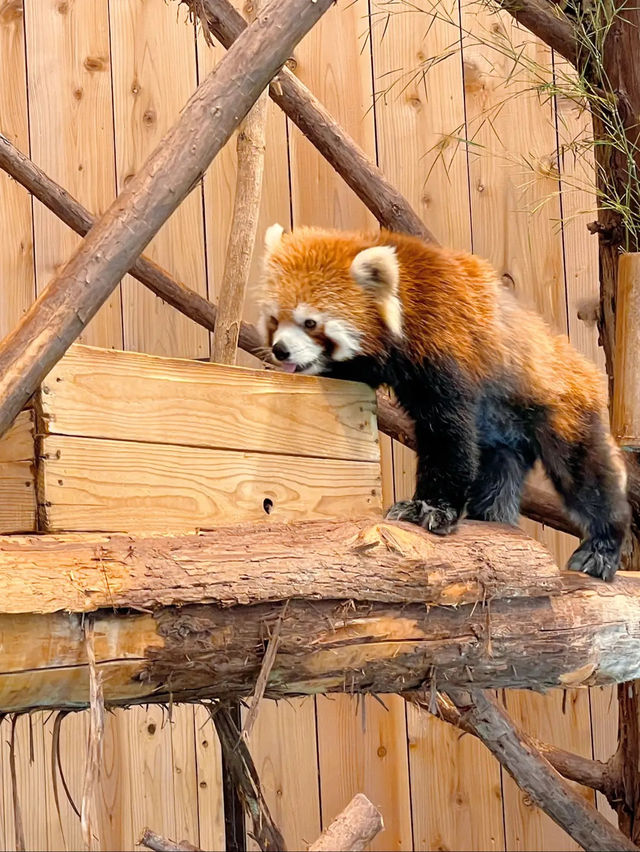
<point x="119" y="441"/>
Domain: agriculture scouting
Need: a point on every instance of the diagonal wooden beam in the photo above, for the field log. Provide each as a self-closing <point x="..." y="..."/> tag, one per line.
<point x="221" y="21"/>
<point x="210" y="116"/>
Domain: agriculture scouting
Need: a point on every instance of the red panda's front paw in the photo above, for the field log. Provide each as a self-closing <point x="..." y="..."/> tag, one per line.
<point x="441" y="520"/>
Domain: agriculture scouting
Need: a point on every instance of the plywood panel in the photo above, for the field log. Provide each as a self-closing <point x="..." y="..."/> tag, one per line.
<point x="91" y="483"/>
<point x="283" y="746"/>
<point x="71" y="126"/>
<point x="17" y="476"/>
<point x="452" y="777"/>
<point x="128" y="396"/>
<point x="363" y="749"/>
<point x="154" y="74"/>
<point x="16" y="246"/>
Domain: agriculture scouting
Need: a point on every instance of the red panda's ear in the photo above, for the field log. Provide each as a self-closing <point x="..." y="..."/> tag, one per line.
<point x="273" y="237"/>
<point x="377" y="270"/>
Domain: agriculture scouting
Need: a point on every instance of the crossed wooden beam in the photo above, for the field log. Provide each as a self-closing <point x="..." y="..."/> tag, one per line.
<point x="113" y="245"/>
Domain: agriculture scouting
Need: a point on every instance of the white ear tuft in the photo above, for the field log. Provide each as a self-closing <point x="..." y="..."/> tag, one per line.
<point x="273" y="237"/>
<point x="377" y="269"/>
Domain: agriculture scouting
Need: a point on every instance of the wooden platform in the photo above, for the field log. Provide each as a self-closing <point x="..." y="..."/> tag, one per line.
<point x="119" y="441"/>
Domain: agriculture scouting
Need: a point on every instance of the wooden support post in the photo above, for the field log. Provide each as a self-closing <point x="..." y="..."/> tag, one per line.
<point x="72" y="298"/>
<point x="625" y="414"/>
<point x="244" y="225"/>
<point x="625" y="419"/>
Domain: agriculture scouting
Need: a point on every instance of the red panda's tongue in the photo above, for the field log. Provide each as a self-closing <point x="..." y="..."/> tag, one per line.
<point x="288" y="366"/>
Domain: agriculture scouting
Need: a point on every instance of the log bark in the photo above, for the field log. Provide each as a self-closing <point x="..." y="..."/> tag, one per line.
<point x="110" y="249"/>
<point x="250" y="148"/>
<point x="481" y="715"/>
<point x="372" y="608"/>
<point x="221" y="21"/>
<point x="546" y="20"/>
<point x="352" y="830"/>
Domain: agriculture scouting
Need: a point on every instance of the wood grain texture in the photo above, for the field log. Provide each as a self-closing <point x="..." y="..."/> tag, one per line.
<point x="343" y="83"/>
<point x="16" y="257"/>
<point x="69" y="71"/>
<point x="97" y="484"/>
<point x="453" y="807"/>
<point x="74" y="295"/>
<point x="133" y="397"/>
<point x="17" y="476"/>
<point x="154" y="74"/>
<point x="284" y="750"/>
<point x="369" y="757"/>
<point x="209" y="792"/>
<point x="625" y="414"/>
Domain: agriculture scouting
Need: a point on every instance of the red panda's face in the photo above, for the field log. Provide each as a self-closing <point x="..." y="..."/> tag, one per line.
<point x="326" y="297"/>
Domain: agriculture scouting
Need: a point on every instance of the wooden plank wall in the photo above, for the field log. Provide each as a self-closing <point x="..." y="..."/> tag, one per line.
<point x="93" y="86"/>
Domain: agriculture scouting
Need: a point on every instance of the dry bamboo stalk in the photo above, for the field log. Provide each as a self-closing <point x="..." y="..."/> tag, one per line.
<point x="250" y="149"/>
<point x="74" y="295"/>
<point x="352" y="830"/>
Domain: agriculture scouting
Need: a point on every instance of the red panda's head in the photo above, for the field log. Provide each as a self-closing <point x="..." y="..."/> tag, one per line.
<point x="327" y="296"/>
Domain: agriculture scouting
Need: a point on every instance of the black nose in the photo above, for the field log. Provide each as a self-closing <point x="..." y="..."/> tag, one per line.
<point x="280" y="351"/>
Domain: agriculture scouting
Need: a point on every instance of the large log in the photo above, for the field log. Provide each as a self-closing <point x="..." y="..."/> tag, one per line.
<point x="371" y="608"/>
<point x="210" y="116"/>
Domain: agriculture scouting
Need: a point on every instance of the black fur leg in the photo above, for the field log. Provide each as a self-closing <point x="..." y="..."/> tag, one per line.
<point x="588" y="475"/>
<point x="596" y="557"/>
<point x="496" y="492"/>
<point x="441" y="520"/>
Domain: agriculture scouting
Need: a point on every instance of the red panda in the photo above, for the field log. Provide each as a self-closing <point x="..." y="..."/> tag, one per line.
<point x="489" y="387"/>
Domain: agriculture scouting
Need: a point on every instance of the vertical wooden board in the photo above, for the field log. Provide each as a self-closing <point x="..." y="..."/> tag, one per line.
<point x="363" y="749"/>
<point x="330" y="62"/>
<point x="185" y="783"/>
<point x="151" y="794"/>
<point x="219" y="194"/>
<point x="209" y="791"/>
<point x="577" y="175"/>
<point x="604" y="733"/>
<point x="31" y="764"/>
<point x="446" y="795"/>
<point x="64" y="831"/>
<point x="513" y="170"/>
<point x="420" y="116"/>
<point x="560" y="718"/>
<point x="16" y="243"/>
<point x="154" y="74"/>
<point x="71" y="128"/>
<point x="115" y="790"/>
<point x="283" y="746"/>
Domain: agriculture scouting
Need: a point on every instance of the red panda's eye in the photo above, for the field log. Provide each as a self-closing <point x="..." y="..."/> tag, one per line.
<point x="310" y="323"/>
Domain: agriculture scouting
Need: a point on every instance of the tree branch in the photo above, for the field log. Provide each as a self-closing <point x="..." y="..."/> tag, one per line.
<point x="546" y="20"/>
<point x="481" y="715"/>
<point x="352" y="830"/>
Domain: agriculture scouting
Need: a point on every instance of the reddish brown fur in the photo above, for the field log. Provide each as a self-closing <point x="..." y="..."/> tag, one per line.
<point x="453" y="304"/>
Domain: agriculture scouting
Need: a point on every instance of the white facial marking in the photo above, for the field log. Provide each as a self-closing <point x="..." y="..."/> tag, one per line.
<point x="391" y="311"/>
<point x="303" y="312"/>
<point x="345" y="337"/>
<point x="302" y="350"/>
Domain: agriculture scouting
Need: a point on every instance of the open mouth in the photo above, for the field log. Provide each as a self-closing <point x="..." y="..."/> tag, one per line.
<point x="292" y="367"/>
